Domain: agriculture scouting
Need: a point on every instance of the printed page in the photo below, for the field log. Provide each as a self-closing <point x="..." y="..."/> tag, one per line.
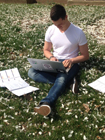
<point x="15" y="84"/>
<point x="7" y="75"/>
<point x="99" y="84"/>
<point x="25" y="90"/>
<point x="1" y="82"/>
<point x="3" y="78"/>
<point x="15" y="73"/>
<point x="102" y="79"/>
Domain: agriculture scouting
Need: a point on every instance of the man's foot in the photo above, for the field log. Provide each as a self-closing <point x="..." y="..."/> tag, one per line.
<point x="43" y="109"/>
<point x="74" y="86"/>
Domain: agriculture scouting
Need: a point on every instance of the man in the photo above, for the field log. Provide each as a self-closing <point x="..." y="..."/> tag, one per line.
<point x="67" y="41"/>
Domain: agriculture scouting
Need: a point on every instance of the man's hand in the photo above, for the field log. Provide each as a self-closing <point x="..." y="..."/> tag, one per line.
<point x="67" y="63"/>
<point x="54" y="59"/>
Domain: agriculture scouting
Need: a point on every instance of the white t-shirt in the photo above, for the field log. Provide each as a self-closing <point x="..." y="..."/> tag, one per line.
<point x="65" y="45"/>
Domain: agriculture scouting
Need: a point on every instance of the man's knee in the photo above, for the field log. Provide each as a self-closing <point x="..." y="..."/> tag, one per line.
<point x="31" y="72"/>
<point x="62" y="79"/>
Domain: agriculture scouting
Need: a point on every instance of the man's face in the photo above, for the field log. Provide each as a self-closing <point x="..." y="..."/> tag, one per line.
<point x="60" y="23"/>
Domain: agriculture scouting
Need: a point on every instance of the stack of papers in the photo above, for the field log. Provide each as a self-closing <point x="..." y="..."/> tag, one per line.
<point x="99" y="84"/>
<point x="12" y="80"/>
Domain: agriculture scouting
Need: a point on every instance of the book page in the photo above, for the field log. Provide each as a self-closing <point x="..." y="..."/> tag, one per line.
<point x="3" y="77"/>
<point x="99" y="84"/>
<point x="15" y="84"/>
<point x="7" y="75"/>
<point x="102" y="79"/>
<point x="25" y="90"/>
<point x="15" y="73"/>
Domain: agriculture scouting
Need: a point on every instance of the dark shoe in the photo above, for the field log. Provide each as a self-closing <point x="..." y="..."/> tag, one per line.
<point x="74" y="86"/>
<point x="43" y="109"/>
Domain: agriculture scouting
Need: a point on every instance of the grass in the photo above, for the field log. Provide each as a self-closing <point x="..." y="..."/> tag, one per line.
<point x="22" y="30"/>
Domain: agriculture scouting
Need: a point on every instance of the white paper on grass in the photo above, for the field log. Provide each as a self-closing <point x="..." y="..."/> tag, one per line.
<point x="16" y="84"/>
<point x="23" y="91"/>
<point x="12" y="80"/>
<point x="7" y="75"/>
<point x="99" y="84"/>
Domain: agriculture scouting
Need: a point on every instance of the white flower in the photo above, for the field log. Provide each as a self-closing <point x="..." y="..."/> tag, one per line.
<point x="16" y="113"/>
<point x="68" y="113"/>
<point x="5" y="121"/>
<point x="100" y="130"/>
<point x="101" y="102"/>
<point x="49" y="133"/>
<point x="53" y="127"/>
<point x="76" y="116"/>
<point x="67" y="121"/>
<point x="40" y="133"/>
<point x="62" y="106"/>
<point x="84" y="137"/>
<point x="63" y="138"/>
<point x="70" y="135"/>
<point x="85" y="119"/>
<point x="5" y="116"/>
<point x="51" y="120"/>
<point x="104" y="131"/>
<point x="12" y="107"/>
<point x="96" y="126"/>
<point x="44" y="124"/>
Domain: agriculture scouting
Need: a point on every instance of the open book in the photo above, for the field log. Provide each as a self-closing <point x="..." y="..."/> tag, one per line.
<point x="12" y="80"/>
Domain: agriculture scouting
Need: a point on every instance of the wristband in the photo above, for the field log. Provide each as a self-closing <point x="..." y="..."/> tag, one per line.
<point x="51" y="57"/>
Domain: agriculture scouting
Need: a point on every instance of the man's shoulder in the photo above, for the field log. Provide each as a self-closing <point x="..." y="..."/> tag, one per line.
<point x="52" y="27"/>
<point x="75" y="27"/>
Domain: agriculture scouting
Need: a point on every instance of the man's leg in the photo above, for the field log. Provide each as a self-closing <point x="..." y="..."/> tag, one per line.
<point x="60" y="84"/>
<point x="40" y="76"/>
<point x="60" y="81"/>
<point x="44" y="77"/>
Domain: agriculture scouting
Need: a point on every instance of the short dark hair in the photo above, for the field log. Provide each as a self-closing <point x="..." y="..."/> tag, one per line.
<point x="57" y="12"/>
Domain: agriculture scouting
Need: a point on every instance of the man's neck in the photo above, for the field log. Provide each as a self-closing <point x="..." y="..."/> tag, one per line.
<point x="66" y="27"/>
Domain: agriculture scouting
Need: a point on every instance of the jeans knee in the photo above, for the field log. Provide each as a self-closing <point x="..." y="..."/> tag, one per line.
<point x="61" y="80"/>
<point x="30" y="72"/>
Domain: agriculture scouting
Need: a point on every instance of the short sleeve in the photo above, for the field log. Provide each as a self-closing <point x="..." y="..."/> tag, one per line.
<point x="47" y="35"/>
<point x="82" y="39"/>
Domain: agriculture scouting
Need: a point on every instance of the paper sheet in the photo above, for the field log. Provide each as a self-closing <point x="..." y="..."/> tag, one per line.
<point x="99" y="84"/>
<point x="7" y="75"/>
<point x="24" y="91"/>
<point x="15" y="84"/>
<point x="12" y="80"/>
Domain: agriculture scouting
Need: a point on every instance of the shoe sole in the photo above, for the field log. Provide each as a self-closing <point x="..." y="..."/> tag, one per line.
<point x="75" y="87"/>
<point x="43" y="110"/>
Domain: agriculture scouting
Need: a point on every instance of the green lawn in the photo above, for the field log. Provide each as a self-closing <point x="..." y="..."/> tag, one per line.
<point x="22" y="30"/>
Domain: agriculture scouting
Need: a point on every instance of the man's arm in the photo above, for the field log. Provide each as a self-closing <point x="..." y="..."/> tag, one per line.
<point x="84" y="55"/>
<point x="47" y="51"/>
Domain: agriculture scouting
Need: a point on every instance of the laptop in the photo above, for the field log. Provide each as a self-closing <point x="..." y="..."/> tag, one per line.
<point x="47" y="65"/>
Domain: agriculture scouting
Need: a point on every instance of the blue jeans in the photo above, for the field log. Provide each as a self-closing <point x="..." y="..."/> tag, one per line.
<point x="59" y="81"/>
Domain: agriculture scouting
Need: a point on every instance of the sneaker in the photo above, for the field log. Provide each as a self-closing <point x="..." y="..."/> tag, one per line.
<point x="75" y="86"/>
<point x="43" y="109"/>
